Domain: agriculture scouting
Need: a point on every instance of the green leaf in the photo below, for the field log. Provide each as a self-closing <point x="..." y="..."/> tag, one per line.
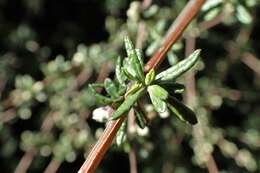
<point x="120" y="76"/>
<point x="140" y="56"/>
<point x="181" y="111"/>
<point x="159" y="105"/>
<point x="211" y="4"/>
<point x="172" y="87"/>
<point x="211" y="14"/>
<point x="135" y="87"/>
<point x="121" y="134"/>
<point x="158" y="91"/>
<point x="140" y="117"/>
<point x="243" y="15"/>
<point x="180" y="68"/>
<point x="150" y="76"/>
<point x="127" y="104"/>
<point x="110" y="88"/>
<point x="136" y="65"/>
<point x="100" y="99"/>
<point x="158" y="95"/>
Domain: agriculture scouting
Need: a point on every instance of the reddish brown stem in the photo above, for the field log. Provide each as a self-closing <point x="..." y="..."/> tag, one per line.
<point x="102" y="145"/>
<point x="53" y="166"/>
<point x="25" y="162"/>
<point x="132" y="160"/>
<point x="181" y="22"/>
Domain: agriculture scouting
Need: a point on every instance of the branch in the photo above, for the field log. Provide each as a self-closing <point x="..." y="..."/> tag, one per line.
<point x="179" y="25"/>
<point x="102" y="145"/>
<point x="53" y="166"/>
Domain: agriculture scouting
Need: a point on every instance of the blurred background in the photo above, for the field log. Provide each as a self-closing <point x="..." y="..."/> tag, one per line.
<point x="51" y="50"/>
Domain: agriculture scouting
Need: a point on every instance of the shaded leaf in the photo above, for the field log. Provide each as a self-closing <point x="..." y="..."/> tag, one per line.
<point x="140" y="117"/>
<point x="181" y="111"/>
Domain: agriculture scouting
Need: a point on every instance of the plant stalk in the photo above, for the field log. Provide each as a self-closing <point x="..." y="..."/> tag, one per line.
<point x="103" y="143"/>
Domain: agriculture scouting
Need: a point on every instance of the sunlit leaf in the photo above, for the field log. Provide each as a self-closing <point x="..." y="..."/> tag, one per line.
<point x="150" y="76"/>
<point x="127" y="104"/>
<point x="180" y="68"/>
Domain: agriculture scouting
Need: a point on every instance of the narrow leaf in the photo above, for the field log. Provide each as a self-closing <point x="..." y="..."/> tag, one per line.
<point x="140" y="56"/>
<point x="135" y="87"/>
<point x="172" y="87"/>
<point x="140" y="118"/>
<point x="100" y="99"/>
<point x="127" y="104"/>
<point x="128" y="70"/>
<point x="150" y="76"/>
<point x="110" y="88"/>
<point x="135" y="64"/>
<point x="120" y="76"/>
<point x="181" y="111"/>
<point x="121" y="134"/>
<point x="180" y="68"/>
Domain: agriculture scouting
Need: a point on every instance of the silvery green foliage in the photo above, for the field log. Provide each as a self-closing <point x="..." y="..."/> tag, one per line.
<point x="227" y="89"/>
<point x="131" y="70"/>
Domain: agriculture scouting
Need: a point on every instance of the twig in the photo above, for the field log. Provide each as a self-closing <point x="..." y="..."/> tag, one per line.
<point x="252" y="62"/>
<point x="106" y="139"/>
<point x="132" y="160"/>
<point x="8" y="115"/>
<point x="141" y="34"/>
<point x="181" y="22"/>
<point x="47" y="125"/>
<point x="191" y="100"/>
<point x="205" y="25"/>
<point x="102" y="145"/>
<point x="211" y="165"/>
<point x="53" y="166"/>
<point x="25" y="162"/>
<point x="27" y="158"/>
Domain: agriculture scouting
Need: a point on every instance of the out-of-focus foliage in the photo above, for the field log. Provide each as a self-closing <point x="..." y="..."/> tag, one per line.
<point x="50" y="51"/>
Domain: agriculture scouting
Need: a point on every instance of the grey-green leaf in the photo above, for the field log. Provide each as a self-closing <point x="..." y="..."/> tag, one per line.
<point x="134" y="62"/>
<point x="111" y="88"/>
<point x="181" y="111"/>
<point x="159" y="105"/>
<point x="158" y="95"/>
<point x="120" y="76"/>
<point x="127" y="104"/>
<point x="100" y="99"/>
<point x="158" y="91"/>
<point x="140" y="56"/>
<point x="121" y="134"/>
<point x="180" y="68"/>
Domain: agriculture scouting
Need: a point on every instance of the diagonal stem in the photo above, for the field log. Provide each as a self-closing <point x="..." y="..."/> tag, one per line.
<point x="179" y="25"/>
<point x="102" y="145"/>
